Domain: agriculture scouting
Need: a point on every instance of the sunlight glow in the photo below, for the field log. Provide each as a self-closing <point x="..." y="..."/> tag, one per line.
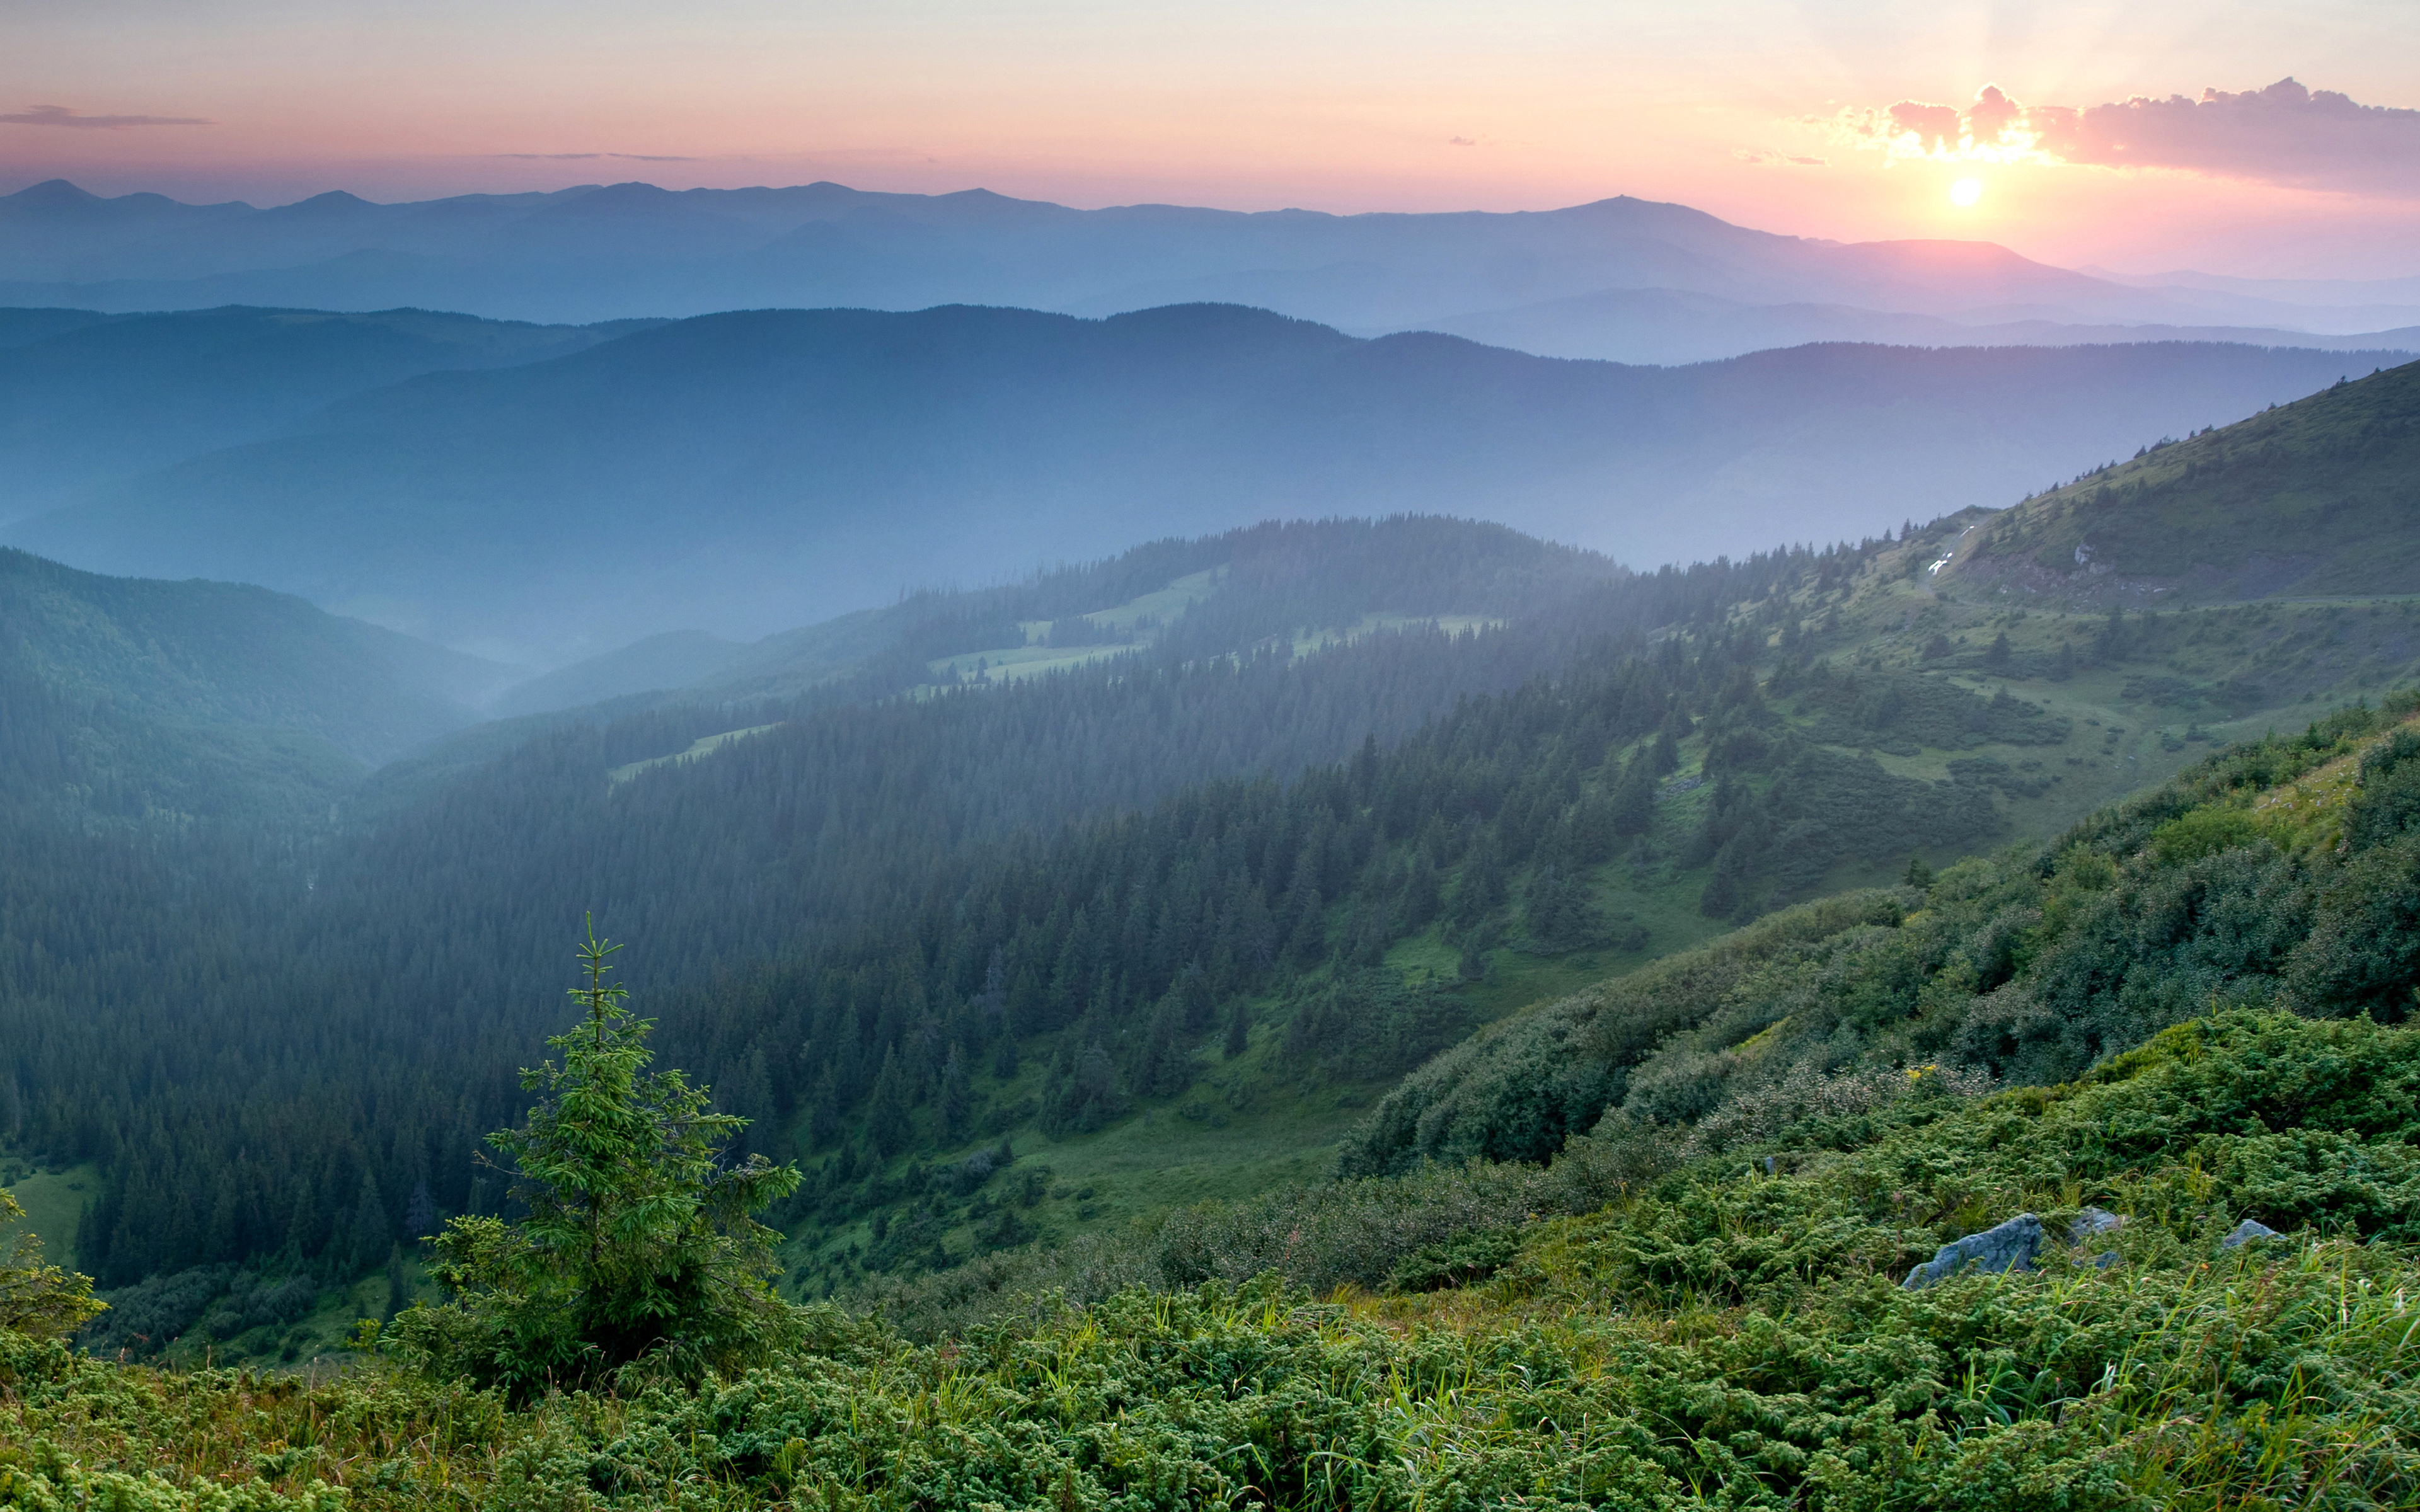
<point x="1966" y="192"/>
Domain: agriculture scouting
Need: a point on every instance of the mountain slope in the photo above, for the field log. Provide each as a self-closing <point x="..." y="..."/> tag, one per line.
<point x="87" y="399"/>
<point x="205" y="659"/>
<point x="1725" y="1337"/>
<point x="1312" y="584"/>
<point x="2315" y="498"/>
<point x="734" y="473"/>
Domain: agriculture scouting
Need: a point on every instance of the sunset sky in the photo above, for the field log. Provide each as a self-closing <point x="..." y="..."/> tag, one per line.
<point x="1774" y="114"/>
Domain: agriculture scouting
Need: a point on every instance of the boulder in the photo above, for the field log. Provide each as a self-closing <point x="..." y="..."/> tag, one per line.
<point x="2093" y="1221"/>
<point x="2247" y="1232"/>
<point x="2009" y="1246"/>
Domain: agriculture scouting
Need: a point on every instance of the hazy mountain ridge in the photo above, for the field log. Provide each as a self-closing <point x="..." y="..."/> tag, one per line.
<point x="140" y="706"/>
<point x="217" y="652"/>
<point x="1655" y="325"/>
<point x="603" y="251"/>
<point x="737" y="472"/>
<point x="87" y="399"/>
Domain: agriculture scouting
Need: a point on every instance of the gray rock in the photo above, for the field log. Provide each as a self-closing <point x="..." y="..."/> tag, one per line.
<point x="2247" y="1232"/>
<point x="2093" y="1221"/>
<point x="2010" y="1246"/>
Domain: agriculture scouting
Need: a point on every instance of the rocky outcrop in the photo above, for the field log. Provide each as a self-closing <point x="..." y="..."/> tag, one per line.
<point x="2250" y="1230"/>
<point x="2009" y="1246"/>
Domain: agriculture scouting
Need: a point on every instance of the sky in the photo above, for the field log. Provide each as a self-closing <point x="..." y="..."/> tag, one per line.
<point x="2140" y="136"/>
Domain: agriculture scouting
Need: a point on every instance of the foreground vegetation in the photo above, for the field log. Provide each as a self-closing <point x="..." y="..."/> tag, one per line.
<point x="1730" y="1334"/>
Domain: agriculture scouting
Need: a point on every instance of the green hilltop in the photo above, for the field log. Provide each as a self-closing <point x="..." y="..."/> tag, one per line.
<point x="2312" y="499"/>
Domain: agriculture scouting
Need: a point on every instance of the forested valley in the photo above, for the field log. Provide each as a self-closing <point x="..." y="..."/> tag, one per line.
<point x="1361" y="791"/>
<point x="1410" y="994"/>
<point x="1685" y="1265"/>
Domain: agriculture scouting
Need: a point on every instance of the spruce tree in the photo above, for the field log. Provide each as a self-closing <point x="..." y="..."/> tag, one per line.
<point x="37" y="1300"/>
<point x="637" y="1249"/>
<point x="887" y="1122"/>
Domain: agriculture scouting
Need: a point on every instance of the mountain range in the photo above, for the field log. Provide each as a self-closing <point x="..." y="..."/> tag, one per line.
<point x="1644" y="274"/>
<point x="747" y="472"/>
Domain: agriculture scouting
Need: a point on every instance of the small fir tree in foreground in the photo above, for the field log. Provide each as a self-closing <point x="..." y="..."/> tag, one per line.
<point x="637" y="1252"/>
<point x="37" y="1300"/>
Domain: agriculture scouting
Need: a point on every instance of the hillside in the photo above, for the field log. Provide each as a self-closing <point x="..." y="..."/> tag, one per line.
<point x="2313" y="499"/>
<point x="1641" y="1325"/>
<point x="129" y="696"/>
<point x="1323" y="583"/>
<point x="737" y="475"/>
<point x="908" y="908"/>
<point x="1058" y="914"/>
<point x="87" y="399"/>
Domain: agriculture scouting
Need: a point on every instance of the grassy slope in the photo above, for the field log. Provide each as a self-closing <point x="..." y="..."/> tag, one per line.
<point x="54" y="1201"/>
<point x="2309" y="498"/>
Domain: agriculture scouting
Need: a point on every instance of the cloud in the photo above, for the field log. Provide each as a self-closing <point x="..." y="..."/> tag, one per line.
<point x="1778" y="160"/>
<point x="2284" y="135"/>
<point x="584" y="157"/>
<point x="1460" y="142"/>
<point x="62" y="116"/>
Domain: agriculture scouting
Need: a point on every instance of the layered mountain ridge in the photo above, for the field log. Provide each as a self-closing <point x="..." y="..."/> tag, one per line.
<point x="604" y="252"/>
<point x="744" y="472"/>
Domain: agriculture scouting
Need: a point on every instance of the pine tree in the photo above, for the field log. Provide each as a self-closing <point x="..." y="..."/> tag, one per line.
<point x="886" y="1112"/>
<point x="637" y="1250"/>
<point x="955" y="1099"/>
<point x="1634" y="796"/>
<point x="398" y="1284"/>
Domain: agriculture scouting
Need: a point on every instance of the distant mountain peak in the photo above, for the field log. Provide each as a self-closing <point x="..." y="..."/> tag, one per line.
<point x="51" y="191"/>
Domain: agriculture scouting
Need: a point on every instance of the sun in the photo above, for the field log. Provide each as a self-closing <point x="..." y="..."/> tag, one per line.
<point x="1966" y="192"/>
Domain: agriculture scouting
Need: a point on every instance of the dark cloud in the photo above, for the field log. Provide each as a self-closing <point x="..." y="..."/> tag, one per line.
<point x="2283" y="134"/>
<point x="62" y="116"/>
<point x="584" y="157"/>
